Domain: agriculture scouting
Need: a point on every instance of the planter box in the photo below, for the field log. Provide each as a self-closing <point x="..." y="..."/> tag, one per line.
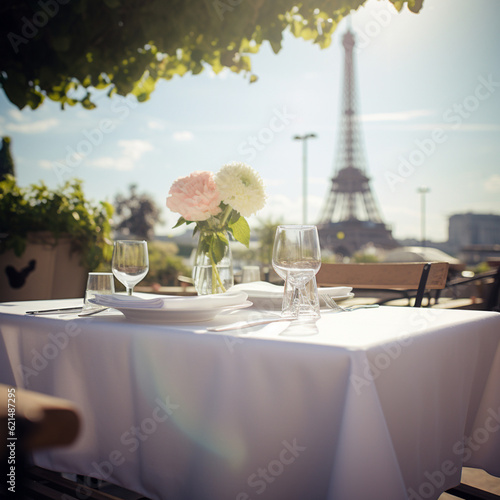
<point x="45" y="271"/>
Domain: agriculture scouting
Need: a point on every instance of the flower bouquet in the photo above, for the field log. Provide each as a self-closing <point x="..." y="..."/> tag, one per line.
<point x="218" y="205"/>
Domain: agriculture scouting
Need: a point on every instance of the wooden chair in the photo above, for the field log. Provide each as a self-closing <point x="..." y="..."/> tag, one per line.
<point x="38" y="421"/>
<point x="468" y="492"/>
<point x="398" y="277"/>
<point x="30" y="421"/>
<point x="488" y="285"/>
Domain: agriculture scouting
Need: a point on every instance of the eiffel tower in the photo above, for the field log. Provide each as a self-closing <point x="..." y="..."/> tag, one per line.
<point x="350" y="218"/>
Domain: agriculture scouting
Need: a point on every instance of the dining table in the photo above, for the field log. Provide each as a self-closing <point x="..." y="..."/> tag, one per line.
<point x="385" y="403"/>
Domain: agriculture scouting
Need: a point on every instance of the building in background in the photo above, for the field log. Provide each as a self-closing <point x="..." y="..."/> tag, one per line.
<point x="474" y="238"/>
<point x="473" y="229"/>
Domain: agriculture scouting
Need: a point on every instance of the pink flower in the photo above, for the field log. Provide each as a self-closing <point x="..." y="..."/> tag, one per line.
<point x="195" y="197"/>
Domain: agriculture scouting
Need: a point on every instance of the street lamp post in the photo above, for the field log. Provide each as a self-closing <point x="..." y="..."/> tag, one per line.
<point x="304" y="138"/>
<point x="423" y="191"/>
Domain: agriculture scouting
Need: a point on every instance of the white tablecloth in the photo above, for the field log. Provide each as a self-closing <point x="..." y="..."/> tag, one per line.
<point x="384" y="403"/>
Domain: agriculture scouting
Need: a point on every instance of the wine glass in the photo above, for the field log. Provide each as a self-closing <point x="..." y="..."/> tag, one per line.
<point x="297" y="259"/>
<point x="130" y="262"/>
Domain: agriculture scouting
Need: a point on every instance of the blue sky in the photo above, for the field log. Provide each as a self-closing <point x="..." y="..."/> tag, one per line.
<point x="428" y="89"/>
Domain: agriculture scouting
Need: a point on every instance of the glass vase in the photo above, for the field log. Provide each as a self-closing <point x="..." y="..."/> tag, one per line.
<point x="213" y="264"/>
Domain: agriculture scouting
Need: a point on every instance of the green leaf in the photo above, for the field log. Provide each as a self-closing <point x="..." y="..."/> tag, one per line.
<point x="18" y="245"/>
<point x="398" y="4"/>
<point x="234" y="216"/>
<point x="415" y="5"/>
<point x="218" y="247"/>
<point x="241" y="231"/>
<point x="180" y="221"/>
<point x="222" y="237"/>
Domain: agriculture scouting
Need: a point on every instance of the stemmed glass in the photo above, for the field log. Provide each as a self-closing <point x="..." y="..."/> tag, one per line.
<point x="130" y="262"/>
<point x="297" y="259"/>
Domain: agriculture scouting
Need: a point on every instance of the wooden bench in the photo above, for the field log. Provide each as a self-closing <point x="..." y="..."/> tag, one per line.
<point x="400" y="278"/>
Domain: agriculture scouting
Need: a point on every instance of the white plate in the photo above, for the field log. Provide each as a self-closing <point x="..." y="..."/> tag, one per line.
<point x="264" y="290"/>
<point x="175" y="316"/>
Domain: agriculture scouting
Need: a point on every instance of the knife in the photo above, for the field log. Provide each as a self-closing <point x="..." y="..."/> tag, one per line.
<point x="245" y="324"/>
<point x="56" y="311"/>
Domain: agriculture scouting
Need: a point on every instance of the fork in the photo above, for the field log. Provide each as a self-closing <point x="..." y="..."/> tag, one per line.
<point x="333" y="305"/>
<point x="93" y="311"/>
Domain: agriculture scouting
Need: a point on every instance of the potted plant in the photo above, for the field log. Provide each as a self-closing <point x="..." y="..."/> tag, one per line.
<point x="49" y="240"/>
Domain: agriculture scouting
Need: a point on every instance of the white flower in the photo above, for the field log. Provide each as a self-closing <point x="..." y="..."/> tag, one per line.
<point x="241" y="188"/>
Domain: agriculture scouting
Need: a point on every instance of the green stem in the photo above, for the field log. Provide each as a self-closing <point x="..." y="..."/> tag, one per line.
<point x="225" y="215"/>
<point x="215" y="273"/>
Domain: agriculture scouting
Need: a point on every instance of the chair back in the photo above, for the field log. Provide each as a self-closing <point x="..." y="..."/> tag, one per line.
<point x="46" y="421"/>
<point x="419" y="276"/>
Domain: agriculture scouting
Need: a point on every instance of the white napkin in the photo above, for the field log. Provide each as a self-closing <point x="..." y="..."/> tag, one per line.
<point x="173" y="302"/>
<point x="263" y="289"/>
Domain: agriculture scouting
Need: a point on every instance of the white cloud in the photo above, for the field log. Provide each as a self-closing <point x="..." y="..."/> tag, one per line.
<point x="492" y="185"/>
<point x="16" y="114"/>
<point x="46" y="164"/>
<point x="474" y="127"/>
<point x="462" y="127"/>
<point x="290" y="209"/>
<point x="273" y="182"/>
<point x="33" y="127"/>
<point x="320" y="181"/>
<point x="134" y="148"/>
<point x="131" y="152"/>
<point x="183" y="136"/>
<point x="156" y="124"/>
<point x="399" y="116"/>
<point x="282" y="207"/>
<point x="82" y="115"/>
<point x="109" y="163"/>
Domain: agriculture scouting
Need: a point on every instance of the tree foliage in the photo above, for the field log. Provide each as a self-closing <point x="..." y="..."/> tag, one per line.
<point x="266" y="231"/>
<point x="61" y="50"/>
<point x="62" y="212"/>
<point x="7" y="166"/>
<point x="136" y="214"/>
<point x="164" y="264"/>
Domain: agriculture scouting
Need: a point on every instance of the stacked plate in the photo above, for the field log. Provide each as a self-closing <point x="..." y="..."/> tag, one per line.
<point x="173" y="309"/>
<point x="268" y="296"/>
